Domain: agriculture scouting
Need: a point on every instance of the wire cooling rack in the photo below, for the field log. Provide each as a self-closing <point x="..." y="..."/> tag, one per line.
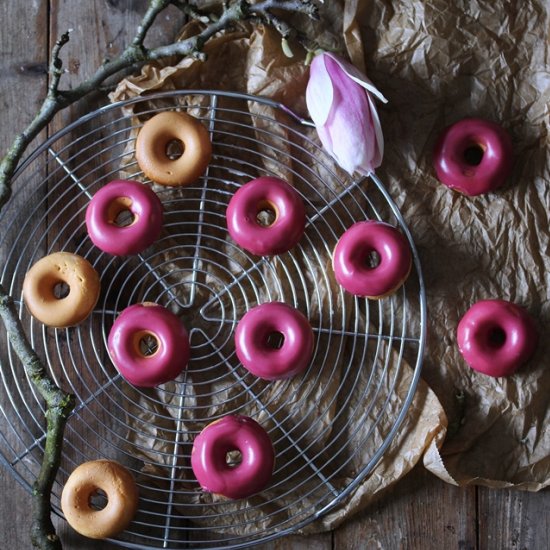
<point x="330" y="427"/>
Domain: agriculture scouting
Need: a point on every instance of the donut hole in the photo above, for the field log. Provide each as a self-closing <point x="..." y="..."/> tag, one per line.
<point x="61" y="290"/>
<point x="372" y="259"/>
<point x="473" y="154"/>
<point x="120" y="213"/>
<point x="496" y="337"/>
<point x="233" y="458"/>
<point x="275" y="340"/>
<point x="174" y="149"/>
<point x="124" y="218"/>
<point x="266" y="214"/>
<point x="98" y="499"/>
<point x="146" y="343"/>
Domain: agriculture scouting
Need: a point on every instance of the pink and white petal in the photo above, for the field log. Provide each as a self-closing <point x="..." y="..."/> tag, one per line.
<point x="325" y="138"/>
<point x="377" y="159"/>
<point x="319" y="91"/>
<point x="357" y="76"/>
<point x="353" y="145"/>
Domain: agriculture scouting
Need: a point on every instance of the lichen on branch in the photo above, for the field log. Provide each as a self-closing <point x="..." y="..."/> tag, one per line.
<point x="60" y="404"/>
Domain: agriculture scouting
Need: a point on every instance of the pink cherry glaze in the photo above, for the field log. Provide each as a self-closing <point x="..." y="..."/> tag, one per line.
<point x="261" y="359"/>
<point x="233" y="433"/>
<point x="171" y="356"/>
<point x="350" y="259"/>
<point x="496" y="337"/>
<point x="288" y="227"/>
<point x="455" y="172"/>
<point x="141" y="201"/>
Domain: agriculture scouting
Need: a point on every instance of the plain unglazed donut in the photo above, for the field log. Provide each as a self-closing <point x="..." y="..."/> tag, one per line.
<point x="209" y="457"/>
<point x="496" y="337"/>
<point x="256" y="353"/>
<point x="113" y="199"/>
<point x="57" y="268"/>
<point x="154" y="138"/>
<point x="120" y="489"/>
<point x="351" y="259"/>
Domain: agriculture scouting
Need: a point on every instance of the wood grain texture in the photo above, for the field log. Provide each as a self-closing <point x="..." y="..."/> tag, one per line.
<point x="421" y="511"/>
<point x="23" y="65"/>
<point x="513" y="519"/>
<point x="23" y="84"/>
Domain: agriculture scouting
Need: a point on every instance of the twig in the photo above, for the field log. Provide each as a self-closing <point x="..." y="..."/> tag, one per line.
<point x="58" y="403"/>
<point x="59" y="407"/>
<point x="154" y="8"/>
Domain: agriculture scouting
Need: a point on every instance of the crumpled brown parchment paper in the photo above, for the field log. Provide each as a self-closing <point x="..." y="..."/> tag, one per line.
<point x="436" y="64"/>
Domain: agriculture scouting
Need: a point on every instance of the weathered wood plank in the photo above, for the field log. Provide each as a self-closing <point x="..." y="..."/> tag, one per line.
<point x="23" y="65"/>
<point x="322" y="541"/>
<point x="513" y="519"/>
<point x="421" y="512"/>
<point x="23" y="83"/>
<point x="101" y="30"/>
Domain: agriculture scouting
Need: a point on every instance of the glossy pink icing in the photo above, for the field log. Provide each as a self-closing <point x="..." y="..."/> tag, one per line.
<point x="288" y="227"/>
<point x="146" y="208"/>
<point x="233" y="433"/>
<point x="254" y="350"/>
<point x="516" y="342"/>
<point x="171" y="356"/>
<point x="350" y="259"/>
<point x="455" y="172"/>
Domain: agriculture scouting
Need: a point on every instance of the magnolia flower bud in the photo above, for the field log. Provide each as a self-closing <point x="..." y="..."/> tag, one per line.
<point x="339" y="101"/>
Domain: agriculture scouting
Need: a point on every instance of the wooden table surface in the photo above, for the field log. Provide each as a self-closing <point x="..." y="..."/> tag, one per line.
<point x="420" y="511"/>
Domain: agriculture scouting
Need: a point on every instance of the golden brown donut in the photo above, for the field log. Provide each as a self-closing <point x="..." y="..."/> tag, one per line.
<point x="153" y="139"/>
<point x="41" y="280"/>
<point x="122" y="499"/>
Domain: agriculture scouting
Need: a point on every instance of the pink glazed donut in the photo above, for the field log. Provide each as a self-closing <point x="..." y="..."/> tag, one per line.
<point x="113" y="199"/>
<point x="473" y="156"/>
<point x="277" y="196"/>
<point x="131" y="327"/>
<point x="496" y="337"/>
<point x="252" y="341"/>
<point x="209" y="457"/>
<point x="351" y="259"/>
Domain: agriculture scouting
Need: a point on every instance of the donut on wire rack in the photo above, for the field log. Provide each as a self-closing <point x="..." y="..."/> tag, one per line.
<point x="61" y="289"/>
<point x="120" y="197"/>
<point x="210" y="457"/>
<point x="118" y="486"/>
<point x="153" y="143"/>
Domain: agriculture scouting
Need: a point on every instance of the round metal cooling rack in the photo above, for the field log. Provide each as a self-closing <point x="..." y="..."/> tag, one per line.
<point x="330" y="426"/>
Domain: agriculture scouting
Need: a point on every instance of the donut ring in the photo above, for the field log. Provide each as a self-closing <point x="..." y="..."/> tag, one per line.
<point x="351" y="257"/>
<point x="492" y="156"/>
<point x="116" y="197"/>
<point x="131" y="327"/>
<point x="154" y="138"/>
<point x="266" y="193"/>
<point x="122" y="499"/>
<point x="260" y="357"/>
<point x="496" y="337"/>
<point x="46" y="274"/>
<point x="209" y="457"/>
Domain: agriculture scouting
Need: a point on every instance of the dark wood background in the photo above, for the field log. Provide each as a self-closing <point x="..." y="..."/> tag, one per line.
<point x="420" y="511"/>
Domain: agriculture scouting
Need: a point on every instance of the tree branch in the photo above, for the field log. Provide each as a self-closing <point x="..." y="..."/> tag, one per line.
<point x="59" y="406"/>
<point x="58" y="403"/>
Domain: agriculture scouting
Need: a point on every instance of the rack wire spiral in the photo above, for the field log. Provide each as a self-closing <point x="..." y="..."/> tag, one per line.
<point x="330" y="427"/>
